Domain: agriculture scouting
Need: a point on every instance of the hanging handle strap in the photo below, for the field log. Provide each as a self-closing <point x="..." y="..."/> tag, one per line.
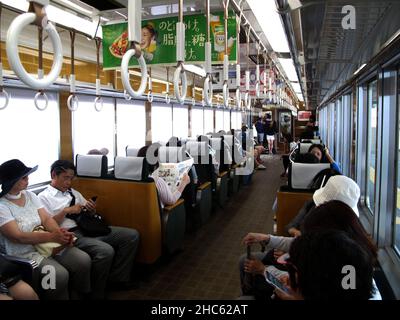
<point x="72" y="101"/>
<point x="98" y="101"/>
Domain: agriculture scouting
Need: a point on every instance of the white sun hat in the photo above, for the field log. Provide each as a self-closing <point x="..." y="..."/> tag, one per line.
<point x="340" y="188"/>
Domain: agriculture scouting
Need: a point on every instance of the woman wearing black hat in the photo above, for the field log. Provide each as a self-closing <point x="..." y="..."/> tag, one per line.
<point x="20" y="212"/>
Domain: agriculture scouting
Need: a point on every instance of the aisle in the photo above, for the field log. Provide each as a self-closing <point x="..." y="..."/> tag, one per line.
<point x="208" y="266"/>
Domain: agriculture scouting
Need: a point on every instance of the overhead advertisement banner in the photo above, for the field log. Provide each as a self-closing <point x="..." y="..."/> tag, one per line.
<point x="158" y="41"/>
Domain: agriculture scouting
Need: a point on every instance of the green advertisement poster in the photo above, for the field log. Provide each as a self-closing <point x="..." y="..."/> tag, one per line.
<point x="159" y="41"/>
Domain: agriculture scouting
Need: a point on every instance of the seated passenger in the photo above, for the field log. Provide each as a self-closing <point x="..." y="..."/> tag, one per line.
<point x="316" y="267"/>
<point x="211" y="152"/>
<point x="113" y="254"/>
<point x="20" y="212"/>
<point x="338" y="187"/>
<point x="324" y="156"/>
<point x="334" y="215"/>
<point x="164" y="191"/>
<point x="102" y="152"/>
<point x="11" y="284"/>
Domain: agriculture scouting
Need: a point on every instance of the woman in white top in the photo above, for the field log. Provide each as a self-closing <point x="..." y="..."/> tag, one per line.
<point x="167" y="197"/>
<point x="20" y="212"/>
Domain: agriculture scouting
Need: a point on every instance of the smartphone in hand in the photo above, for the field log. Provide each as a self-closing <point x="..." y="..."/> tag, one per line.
<point x="274" y="281"/>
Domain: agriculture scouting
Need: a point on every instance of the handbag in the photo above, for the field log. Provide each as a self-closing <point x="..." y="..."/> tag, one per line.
<point x="92" y="225"/>
<point x="47" y="249"/>
<point x="89" y="224"/>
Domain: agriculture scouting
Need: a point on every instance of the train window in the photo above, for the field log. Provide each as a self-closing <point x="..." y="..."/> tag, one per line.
<point x="397" y="216"/>
<point x="161" y="122"/>
<point x="197" y="122"/>
<point x="219" y="120"/>
<point x="29" y="134"/>
<point x="208" y="120"/>
<point x="227" y="120"/>
<point x="239" y="120"/>
<point x="371" y="145"/>
<point x="131" y="125"/>
<point x="180" y="125"/>
<point x="92" y="129"/>
<point x="236" y="119"/>
<point x="338" y="132"/>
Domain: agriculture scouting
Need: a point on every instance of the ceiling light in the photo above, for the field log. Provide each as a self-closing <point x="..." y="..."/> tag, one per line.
<point x="271" y="23"/>
<point x="360" y="68"/>
<point x="76" y="7"/>
<point x="288" y="67"/>
<point x="296" y="86"/>
<point x="300" y="96"/>
<point x="195" y="69"/>
<point x="60" y="17"/>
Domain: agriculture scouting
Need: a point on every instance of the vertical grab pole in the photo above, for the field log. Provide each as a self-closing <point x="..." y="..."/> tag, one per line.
<point x="208" y="86"/>
<point x="180" y="73"/>
<point x="2" y="91"/>
<point x="225" y="89"/>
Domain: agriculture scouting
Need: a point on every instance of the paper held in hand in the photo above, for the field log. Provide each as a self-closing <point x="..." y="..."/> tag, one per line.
<point x="172" y="173"/>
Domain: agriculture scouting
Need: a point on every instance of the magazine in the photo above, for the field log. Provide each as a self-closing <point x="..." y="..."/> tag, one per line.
<point x="172" y="173"/>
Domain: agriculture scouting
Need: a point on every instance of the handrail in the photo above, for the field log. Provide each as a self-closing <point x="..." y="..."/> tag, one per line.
<point x="134" y="36"/>
<point x="40" y="18"/>
<point x="180" y="73"/>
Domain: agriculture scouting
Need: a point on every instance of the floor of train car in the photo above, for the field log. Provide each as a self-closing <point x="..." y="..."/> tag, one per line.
<point x="207" y="268"/>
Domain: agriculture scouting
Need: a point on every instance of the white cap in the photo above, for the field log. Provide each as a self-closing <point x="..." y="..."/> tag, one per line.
<point x="339" y="188"/>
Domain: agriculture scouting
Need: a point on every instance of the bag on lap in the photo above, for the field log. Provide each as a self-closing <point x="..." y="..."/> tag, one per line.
<point x="47" y="249"/>
<point x="92" y="225"/>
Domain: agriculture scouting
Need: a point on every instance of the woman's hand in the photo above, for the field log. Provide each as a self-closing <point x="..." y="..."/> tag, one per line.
<point x="62" y="236"/>
<point x="254" y="266"/>
<point x="252" y="237"/>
